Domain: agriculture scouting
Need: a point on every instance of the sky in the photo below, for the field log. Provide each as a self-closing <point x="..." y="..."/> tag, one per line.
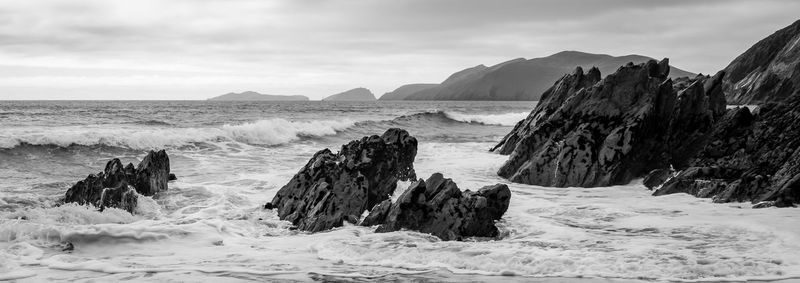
<point x="196" y="49"/>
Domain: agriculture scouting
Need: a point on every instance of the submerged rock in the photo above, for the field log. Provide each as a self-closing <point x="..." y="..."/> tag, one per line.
<point x="589" y="132"/>
<point x="118" y="186"/>
<point x="333" y="188"/>
<point x="437" y="206"/>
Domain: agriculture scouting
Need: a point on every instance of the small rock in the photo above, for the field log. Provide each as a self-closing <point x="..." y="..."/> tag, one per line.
<point x="437" y="206"/>
<point x="117" y="186"/>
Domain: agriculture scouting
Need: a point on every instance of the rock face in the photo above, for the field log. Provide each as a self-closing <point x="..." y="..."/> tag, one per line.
<point x="437" y="206"/>
<point x="523" y="79"/>
<point x="117" y="186"/>
<point x="768" y="71"/>
<point x="589" y="132"/>
<point x="356" y="94"/>
<point x="333" y="188"/>
<point x="749" y="157"/>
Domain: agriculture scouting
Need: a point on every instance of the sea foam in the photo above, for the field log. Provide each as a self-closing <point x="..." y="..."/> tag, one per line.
<point x="263" y="132"/>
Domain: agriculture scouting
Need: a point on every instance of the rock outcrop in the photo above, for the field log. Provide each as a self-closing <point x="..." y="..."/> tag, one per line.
<point x="437" y="206"/>
<point x="768" y="71"/>
<point x="117" y="186"/>
<point x="749" y="157"/>
<point x="336" y="187"/>
<point x="589" y="132"/>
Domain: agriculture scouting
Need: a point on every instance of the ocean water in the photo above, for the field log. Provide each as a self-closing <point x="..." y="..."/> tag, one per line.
<point x="231" y="158"/>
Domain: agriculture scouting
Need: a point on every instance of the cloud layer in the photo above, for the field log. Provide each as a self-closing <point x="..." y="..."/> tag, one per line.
<point x="182" y="49"/>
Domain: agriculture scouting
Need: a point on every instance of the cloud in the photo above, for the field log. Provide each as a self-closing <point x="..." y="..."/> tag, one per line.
<point x="319" y="47"/>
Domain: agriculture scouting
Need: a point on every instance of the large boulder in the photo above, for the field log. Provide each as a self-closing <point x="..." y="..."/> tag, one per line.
<point x="336" y="187"/>
<point x="437" y="206"/>
<point x="768" y="71"/>
<point x="749" y="157"/>
<point x="117" y="186"/>
<point x="589" y="132"/>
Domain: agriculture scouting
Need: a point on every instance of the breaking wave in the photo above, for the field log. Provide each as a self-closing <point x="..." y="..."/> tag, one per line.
<point x="267" y="132"/>
<point x="264" y="132"/>
<point x="505" y="119"/>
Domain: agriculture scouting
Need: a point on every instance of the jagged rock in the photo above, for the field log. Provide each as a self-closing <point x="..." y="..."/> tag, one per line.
<point x="152" y="174"/>
<point x="657" y="177"/>
<point x="172" y="177"/>
<point x="749" y="157"/>
<point x="333" y="188"/>
<point x="117" y="186"/>
<point x="768" y="71"/>
<point x="589" y="132"/>
<point x="377" y="215"/>
<point x="437" y="206"/>
<point x="123" y="196"/>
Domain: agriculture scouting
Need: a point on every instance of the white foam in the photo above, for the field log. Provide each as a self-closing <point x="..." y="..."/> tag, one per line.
<point x="264" y="132"/>
<point x="211" y="222"/>
<point x="506" y="119"/>
<point x="278" y="131"/>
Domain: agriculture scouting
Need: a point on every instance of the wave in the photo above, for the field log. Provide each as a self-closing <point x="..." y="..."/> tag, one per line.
<point x="152" y="123"/>
<point x="504" y="119"/>
<point x="268" y="132"/>
<point x="264" y="132"/>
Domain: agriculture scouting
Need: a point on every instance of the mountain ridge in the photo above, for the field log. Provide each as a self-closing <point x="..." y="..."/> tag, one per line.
<point x="523" y="79"/>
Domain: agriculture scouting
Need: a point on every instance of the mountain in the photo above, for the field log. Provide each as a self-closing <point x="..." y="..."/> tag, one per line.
<point x="255" y="96"/>
<point x="524" y="79"/>
<point x="768" y="71"/>
<point x="404" y="91"/>
<point x="356" y="94"/>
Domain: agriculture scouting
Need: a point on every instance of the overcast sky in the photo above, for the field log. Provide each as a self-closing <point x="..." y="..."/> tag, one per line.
<point x="181" y="49"/>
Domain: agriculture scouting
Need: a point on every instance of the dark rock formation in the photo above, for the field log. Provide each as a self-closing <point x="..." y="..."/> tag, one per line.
<point x="749" y="157"/>
<point x="589" y="132"/>
<point x="437" y="206"/>
<point x="117" y="186"/>
<point x="333" y="188"/>
<point x="152" y="174"/>
<point x="768" y="71"/>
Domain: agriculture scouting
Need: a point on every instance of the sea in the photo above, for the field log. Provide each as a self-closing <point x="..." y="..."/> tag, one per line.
<point x="232" y="157"/>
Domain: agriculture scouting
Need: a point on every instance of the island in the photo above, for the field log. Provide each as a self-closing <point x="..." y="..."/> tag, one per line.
<point x="255" y="96"/>
<point x="356" y="94"/>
